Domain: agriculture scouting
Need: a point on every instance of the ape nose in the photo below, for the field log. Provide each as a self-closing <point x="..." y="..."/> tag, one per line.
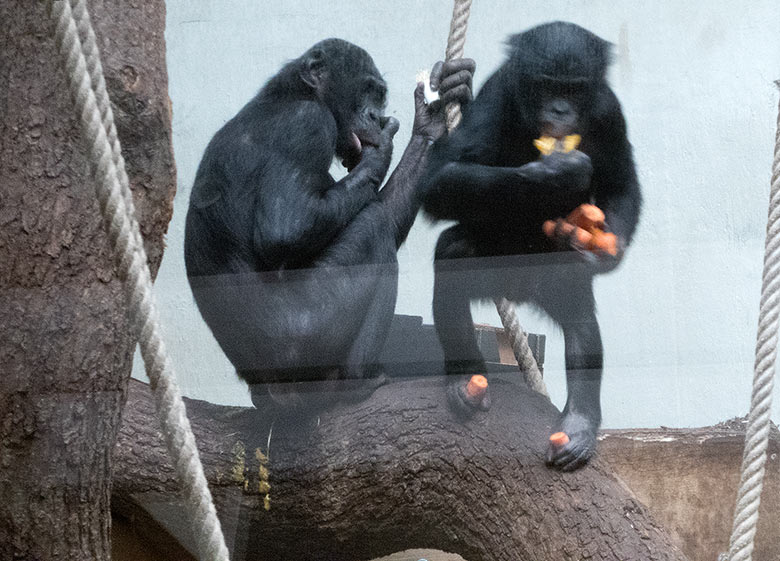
<point x="561" y="108"/>
<point x="373" y="115"/>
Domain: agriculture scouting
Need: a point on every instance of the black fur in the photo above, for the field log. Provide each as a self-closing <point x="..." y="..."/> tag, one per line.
<point x="295" y="273"/>
<point x="489" y="177"/>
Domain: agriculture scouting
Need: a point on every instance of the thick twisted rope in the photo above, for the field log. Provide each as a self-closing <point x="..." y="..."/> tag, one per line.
<point x="757" y="432"/>
<point x="519" y="341"/>
<point x="455" y="44"/>
<point x="506" y="310"/>
<point x="84" y="72"/>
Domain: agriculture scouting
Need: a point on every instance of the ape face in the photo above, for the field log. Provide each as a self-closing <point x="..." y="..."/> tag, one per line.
<point x="560" y="107"/>
<point x="556" y="70"/>
<point x="345" y="78"/>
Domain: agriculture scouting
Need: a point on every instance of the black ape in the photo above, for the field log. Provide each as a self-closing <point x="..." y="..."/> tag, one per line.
<point x="490" y="178"/>
<point x="296" y="273"/>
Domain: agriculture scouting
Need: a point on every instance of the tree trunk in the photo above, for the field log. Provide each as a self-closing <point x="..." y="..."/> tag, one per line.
<point x="388" y="474"/>
<point x="65" y="349"/>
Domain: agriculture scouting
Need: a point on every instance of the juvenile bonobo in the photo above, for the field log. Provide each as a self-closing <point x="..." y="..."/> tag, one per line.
<point x="295" y="273"/>
<point x="488" y="176"/>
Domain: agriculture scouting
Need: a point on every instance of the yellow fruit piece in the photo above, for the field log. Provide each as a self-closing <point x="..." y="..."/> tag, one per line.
<point x="571" y="142"/>
<point x="548" y="144"/>
<point x="545" y="145"/>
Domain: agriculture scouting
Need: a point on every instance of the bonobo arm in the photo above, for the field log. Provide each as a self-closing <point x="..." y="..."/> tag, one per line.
<point x="615" y="184"/>
<point x="616" y="187"/>
<point x="452" y="80"/>
<point x="398" y="194"/>
<point x="463" y="180"/>
<point x="300" y="209"/>
<point x="482" y="192"/>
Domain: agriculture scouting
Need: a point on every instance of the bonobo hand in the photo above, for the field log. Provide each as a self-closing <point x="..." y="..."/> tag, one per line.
<point x="377" y="158"/>
<point x="570" y="171"/>
<point x="585" y="229"/>
<point x="602" y="262"/>
<point x="600" y="258"/>
<point x="452" y="80"/>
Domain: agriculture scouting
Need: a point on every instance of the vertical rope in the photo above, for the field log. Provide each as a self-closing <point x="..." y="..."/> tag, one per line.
<point x="757" y="433"/>
<point x="506" y="310"/>
<point x="87" y="85"/>
<point x="455" y="44"/>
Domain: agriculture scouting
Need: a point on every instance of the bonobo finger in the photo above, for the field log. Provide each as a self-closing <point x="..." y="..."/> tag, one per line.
<point x="436" y="75"/>
<point x="454" y="80"/>
<point x="390" y="126"/>
<point x="419" y="97"/>
<point x="460" y="94"/>
<point x="458" y="65"/>
<point x="574" y="458"/>
<point x="577" y="460"/>
<point x="561" y="458"/>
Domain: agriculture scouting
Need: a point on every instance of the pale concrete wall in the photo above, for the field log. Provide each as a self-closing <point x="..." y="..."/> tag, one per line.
<point x="695" y="79"/>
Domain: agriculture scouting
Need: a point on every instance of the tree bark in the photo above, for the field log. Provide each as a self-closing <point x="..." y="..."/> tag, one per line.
<point x="65" y="348"/>
<point x="391" y="473"/>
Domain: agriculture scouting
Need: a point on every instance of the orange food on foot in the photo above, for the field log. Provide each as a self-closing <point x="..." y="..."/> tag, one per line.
<point x="477" y="386"/>
<point x="559" y="439"/>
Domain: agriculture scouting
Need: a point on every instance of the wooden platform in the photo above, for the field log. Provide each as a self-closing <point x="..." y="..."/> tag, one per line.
<point x="413" y="348"/>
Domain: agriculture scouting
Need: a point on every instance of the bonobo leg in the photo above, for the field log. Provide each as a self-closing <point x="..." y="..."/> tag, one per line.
<point x="572" y="306"/>
<point x="457" y="280"/>
<point x="347" y="301"/>
<point x="369" y="238"/>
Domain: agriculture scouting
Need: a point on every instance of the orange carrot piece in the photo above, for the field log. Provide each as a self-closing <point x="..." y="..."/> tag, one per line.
<point x="477" y="386"/>
<point x="559" y="439"/>
<point x="587" y="217"/>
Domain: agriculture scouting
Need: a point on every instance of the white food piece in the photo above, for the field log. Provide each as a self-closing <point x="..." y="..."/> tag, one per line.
<point x="424" y="76"/>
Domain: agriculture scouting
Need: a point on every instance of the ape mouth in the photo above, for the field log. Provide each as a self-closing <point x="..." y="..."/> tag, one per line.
<point x="358" y="139"/>
<point x="556" y="130"/>
<point x="353" y="153"/>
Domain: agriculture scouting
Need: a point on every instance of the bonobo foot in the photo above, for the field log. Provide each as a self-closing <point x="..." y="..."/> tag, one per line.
<point x="467" y="395"/>
<point x="581" y="446"/>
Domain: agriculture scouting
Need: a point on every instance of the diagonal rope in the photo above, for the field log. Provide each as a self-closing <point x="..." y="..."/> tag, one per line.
<point x="518" y="338"/>
<point x="506" y="309"/>
<point x="87" y="85"/>
<point x="757" y="433"/>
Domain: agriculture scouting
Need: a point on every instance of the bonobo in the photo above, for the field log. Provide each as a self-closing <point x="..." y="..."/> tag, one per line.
<point x="488" y="176"/>
<point x="295" y="273"/>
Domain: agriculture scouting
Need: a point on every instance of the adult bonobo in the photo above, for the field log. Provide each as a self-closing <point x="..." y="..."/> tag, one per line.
<point x="296" y="273"/>
<point x="489" y="177"/>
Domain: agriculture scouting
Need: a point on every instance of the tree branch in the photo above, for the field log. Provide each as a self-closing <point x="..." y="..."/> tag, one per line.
<point x="393" y="472"/>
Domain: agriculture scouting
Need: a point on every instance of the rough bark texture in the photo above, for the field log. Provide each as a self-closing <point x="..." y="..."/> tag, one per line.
<point x="65" y="350"/>
<point x="393" y="472"/>
<point x="688" y="478"/>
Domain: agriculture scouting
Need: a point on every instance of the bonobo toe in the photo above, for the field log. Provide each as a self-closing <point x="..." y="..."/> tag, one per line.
<point x="579" y="449"/>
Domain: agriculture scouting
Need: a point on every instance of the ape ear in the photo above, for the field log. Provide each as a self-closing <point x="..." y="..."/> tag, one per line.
<point x="313" y="69"/>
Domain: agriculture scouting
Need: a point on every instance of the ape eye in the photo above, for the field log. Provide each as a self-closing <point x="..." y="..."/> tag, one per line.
<point x="373" y="86"/>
